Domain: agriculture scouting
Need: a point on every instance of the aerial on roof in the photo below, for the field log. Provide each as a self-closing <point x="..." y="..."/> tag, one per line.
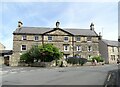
<point x="111" y="43"/>
<point x="42" y="30"/>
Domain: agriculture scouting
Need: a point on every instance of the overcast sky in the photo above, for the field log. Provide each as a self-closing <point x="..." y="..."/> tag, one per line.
<point x="71" y="14"/>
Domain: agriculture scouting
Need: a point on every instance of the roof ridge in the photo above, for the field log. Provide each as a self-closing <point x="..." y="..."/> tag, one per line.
<point x="34" y="27"/>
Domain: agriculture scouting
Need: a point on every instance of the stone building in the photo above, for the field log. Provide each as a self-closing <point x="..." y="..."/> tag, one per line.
<point x="5" y="55"/>
<point x="72" y="42"/>
<point x="109" y="50"/>
<point x="2" y="47"/>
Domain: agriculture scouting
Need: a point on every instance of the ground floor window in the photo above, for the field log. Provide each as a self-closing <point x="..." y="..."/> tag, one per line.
<point x="112" y="57"/>
<point x="23" y="47"/>
<point x="66" y="56"/>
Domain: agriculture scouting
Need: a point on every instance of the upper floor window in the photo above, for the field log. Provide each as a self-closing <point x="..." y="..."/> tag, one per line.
<point x="89" y="48"/>
<point x="78" y="48"/>
<point x="118" y="49"/>
<point x="112" y="49"/>
<point x="49" y="38"/>
<point x="65" y="38"/>
<point x="36" y="37"/>
<point x="24" y="37"/>
<point x="23" y="47"/>
<point x="66" y="47"/>
<point x="89" y="38"/>
<point x="77" y="38"/>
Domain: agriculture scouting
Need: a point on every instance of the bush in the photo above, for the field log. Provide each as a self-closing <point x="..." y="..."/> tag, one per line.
<point x="75" y="60"/>
<point x="98" y="58"/>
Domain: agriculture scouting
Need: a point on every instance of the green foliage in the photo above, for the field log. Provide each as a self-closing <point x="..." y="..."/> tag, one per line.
<point x="49" y="52"/>
<point x="34" y="53"/>
<point x="74" y="60"/>
<point x="26" y="58"/>
<point x="98" y="58"/>
<point x="44" y="53"/>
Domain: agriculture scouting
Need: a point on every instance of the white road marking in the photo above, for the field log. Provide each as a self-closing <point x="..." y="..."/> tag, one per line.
<point x="109" y="77"/>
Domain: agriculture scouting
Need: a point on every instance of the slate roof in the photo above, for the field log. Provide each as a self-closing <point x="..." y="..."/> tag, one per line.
<point x="41" y="30"/>
<point x="6" y="52"/>
<point x="111" y="43"/>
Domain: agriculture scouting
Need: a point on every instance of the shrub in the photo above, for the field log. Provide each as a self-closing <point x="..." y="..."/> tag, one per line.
<point x="98" y="58"/>
<point x="75" y="60"/>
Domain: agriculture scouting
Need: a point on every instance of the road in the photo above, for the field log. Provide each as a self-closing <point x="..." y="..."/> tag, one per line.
<point x="84" y="75"/>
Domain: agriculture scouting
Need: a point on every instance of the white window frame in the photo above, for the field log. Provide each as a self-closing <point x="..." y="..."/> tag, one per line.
<point x="24" y="37"/>
<point x="36" y="36"/>
<point x="89" y="49"/>
<point x="50" y="39"/>
<point x="65" y="56"/>
<point x="77" y="39"/>
<point x="66" y="47"/>
<point x="78" y="48"/>
<point x="22" y="47"/>
<point x="67" y="39"/>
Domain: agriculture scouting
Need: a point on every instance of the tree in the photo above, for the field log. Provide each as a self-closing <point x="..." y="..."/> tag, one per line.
<point x="98" y="58"/>
<point x="25" y="57"/>
<point x="49" y="52"/>
<point x="34" y="53"/>
<point x="44" y="53"/>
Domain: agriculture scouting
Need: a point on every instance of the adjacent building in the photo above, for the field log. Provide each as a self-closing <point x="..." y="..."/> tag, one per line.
<point x="2" y="47"/>
<point x="71" y="41"/>
<point x="5" y="55"/>
<point x="109" y="50"/>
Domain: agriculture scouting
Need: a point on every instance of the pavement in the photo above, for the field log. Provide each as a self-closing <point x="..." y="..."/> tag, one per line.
<point x="83" y="75"/>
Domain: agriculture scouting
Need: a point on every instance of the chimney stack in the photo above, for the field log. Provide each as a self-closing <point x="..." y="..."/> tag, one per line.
<point x="20" y="24"/>
<point x="92" y="26"/>
<point x="57" y="24"/>
<point x="100" y="36"/>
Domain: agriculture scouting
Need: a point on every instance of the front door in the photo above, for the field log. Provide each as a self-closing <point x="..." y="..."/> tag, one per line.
<point x="6" y="60"/>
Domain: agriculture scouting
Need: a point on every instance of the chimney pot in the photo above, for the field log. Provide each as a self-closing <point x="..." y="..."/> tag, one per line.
<point x="92" y="26"/>
<point x="20" y="24"/>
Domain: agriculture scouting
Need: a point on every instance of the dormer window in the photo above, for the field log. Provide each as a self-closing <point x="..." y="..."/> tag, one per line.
<point x="24" y="37"/>
<point x="65" y="38"/>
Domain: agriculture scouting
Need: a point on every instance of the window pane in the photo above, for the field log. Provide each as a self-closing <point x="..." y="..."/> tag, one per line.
<point x="23" y="47"/>
<point x="77" y="38"/>
<point x="36" y="38"/>
<point x="24" y="37"/>
<point x="66" y="48"/>
<point x="49" y="38"/>
<point x="66" y="38"/>
<point x="89" y="48"/>
<point x="78" y="48"/>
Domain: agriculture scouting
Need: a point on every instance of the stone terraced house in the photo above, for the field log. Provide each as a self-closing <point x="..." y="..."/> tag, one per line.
<point x="72" y="42"/>
<point x="109" y="50"/>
